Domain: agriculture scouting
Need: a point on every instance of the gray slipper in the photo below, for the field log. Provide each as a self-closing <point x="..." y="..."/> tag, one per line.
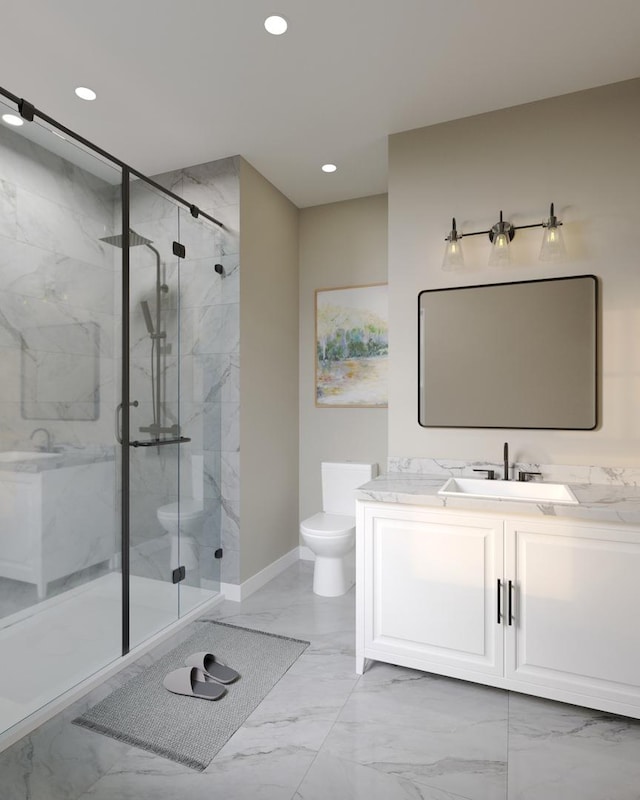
<point x="192" y="682"/>
<point x="213" y="667"/>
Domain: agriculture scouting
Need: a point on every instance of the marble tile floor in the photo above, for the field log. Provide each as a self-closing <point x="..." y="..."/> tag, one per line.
<point x="325" y="733"/>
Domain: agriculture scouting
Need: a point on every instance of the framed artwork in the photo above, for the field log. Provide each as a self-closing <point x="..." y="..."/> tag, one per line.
<point x="352" y="347"/>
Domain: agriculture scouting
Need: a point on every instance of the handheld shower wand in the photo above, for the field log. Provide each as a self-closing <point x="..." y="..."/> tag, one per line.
<point x="147" y="318"/>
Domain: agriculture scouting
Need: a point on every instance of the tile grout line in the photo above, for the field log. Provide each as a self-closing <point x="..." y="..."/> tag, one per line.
<point x="333" y="724"/>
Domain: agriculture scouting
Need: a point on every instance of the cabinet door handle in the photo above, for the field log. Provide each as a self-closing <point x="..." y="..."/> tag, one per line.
<point x="510" y="611"/>
<point x="499" y="601"/>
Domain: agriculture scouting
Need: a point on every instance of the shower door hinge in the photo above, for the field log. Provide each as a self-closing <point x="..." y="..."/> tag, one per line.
<point x="218" y="553"/>
<point x="179" y="574"/>
<point x="179" y="250"/>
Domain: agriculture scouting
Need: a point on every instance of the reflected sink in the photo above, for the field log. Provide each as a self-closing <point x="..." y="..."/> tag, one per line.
<point x="529" y="492"/>
<point x="9" y="456"/>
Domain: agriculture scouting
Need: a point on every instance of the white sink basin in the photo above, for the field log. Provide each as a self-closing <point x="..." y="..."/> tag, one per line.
<point x="9" y="456"/>
<point x="530" y="492"/>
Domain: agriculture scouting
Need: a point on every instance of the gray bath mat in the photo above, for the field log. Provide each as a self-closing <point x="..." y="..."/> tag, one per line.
<point x="186" y="729"/>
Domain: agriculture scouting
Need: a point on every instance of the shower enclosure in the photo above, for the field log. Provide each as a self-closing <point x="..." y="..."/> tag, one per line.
<point x="103" y="444"/>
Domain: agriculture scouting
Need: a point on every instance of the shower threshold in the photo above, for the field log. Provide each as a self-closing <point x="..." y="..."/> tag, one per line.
<point x="78" y="636"/>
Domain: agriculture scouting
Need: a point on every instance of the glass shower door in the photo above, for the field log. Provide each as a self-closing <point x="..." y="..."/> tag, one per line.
<point x="155" y="431"/>
<point x="60" y="580"/>
<point x="204" y="380"/>
<point x="174" y="455"/>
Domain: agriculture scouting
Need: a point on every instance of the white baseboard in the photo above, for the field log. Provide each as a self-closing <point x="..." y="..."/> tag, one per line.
<point x="240" y="591"/>
<point x="306" y="554"/>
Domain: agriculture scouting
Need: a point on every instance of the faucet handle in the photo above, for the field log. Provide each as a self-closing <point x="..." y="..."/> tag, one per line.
<point x="491" y="473"/>
<point x="524" y="476"/>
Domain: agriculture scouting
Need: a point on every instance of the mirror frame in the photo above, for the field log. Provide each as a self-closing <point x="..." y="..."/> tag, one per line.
<point x="596" y="354"/>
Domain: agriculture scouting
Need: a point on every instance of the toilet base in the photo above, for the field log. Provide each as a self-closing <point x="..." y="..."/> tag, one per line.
<point x="331" y="576"/>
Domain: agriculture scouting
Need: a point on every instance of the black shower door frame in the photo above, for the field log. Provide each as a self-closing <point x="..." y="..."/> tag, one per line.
<point x="29" y="113"/>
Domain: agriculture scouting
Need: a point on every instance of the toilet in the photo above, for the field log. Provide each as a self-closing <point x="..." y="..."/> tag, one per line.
<point x="330" y="534"/>
<point x="185" y="518"/>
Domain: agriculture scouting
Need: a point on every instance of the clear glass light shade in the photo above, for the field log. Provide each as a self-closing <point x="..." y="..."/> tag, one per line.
<point x="499" y="256"/>
<point x="453" y="257"/>
<point x="553" y="248"/>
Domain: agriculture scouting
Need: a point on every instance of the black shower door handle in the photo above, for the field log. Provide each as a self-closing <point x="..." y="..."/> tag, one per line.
<point x="160" y="442"/>
<point x="134" y="403"/>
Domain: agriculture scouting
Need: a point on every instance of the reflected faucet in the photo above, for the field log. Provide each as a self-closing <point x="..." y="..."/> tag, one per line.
<point x="506" y="462"/>
<point x="47" y="447"/>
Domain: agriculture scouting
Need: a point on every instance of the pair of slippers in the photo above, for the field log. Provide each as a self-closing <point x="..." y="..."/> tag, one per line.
<point x="203" y="677"/>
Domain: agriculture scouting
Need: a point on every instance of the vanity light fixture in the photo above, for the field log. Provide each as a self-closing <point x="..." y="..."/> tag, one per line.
<point x="553" y="248"/>
<point x="453" y="257"/>
<point x="501" y="234"/>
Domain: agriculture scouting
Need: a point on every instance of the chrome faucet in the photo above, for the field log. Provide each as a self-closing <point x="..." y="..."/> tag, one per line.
<point x="47" y="446"/>
<point x="506" y="462"/>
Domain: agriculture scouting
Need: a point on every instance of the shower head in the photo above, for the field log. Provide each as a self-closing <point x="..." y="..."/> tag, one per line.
<point x="134" y="239"/>
<point x="147" y="317"/>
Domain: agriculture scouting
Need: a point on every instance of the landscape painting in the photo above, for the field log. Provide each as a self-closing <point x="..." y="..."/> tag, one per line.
<point x="352" y="347"/>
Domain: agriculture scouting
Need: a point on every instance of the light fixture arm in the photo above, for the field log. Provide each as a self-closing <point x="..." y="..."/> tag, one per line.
<point x="505" y="227"/>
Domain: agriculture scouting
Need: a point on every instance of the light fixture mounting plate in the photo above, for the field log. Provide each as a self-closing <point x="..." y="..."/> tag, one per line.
<point x="502" y="227"/>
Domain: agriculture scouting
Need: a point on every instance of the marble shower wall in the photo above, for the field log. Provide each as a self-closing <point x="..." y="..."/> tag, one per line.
<point x="54" y="273"/>
<point x="202" y="308"/>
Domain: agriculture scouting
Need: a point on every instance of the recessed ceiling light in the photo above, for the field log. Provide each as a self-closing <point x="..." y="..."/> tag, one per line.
<point x="13" y="119"/>
<point x="329" y="168"/>
<point x="276" y="24"/>
<point x="85" y="93"/>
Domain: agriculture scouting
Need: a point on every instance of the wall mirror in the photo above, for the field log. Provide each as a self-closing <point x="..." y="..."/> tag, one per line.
<point x="509" y="355"/>
<point x="60" y="372"/>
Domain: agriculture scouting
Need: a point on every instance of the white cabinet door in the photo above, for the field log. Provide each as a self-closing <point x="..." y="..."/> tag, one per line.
<point x="576" y="605"/>
<point x="428" y="589"/>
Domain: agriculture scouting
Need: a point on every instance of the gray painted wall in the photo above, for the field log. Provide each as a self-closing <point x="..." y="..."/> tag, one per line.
<point x="580" y="151"/>
<point x="269" y="374"/>
<point x="341" y="244"/>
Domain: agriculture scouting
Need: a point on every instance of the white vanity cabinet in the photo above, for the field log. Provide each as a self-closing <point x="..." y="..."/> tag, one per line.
<point x="426" y="589"/>
<point x="540" y="606"/>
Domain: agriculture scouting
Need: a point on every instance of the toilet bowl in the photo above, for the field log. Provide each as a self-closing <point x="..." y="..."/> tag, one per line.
<point x="330" y="534"/>
<point x="183" y="521"/>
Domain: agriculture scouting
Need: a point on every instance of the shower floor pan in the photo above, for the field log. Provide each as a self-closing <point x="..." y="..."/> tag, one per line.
<point x="50" y="648"/>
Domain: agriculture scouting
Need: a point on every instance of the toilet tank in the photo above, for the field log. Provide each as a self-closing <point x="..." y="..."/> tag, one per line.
<point x="339" y="482"/>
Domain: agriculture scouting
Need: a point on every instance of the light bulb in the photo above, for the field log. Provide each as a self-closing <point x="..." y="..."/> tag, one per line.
<point x="499" y="256"/>
<point x="453" y="256"/>
<point x="552" y="248"/>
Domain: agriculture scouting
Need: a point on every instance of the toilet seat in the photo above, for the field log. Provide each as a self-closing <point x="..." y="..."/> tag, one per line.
<point x="328" y="525"/>
<point x="184" y="510"/>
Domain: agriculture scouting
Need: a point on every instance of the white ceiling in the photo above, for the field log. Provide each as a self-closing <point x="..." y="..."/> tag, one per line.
<point x="181" y="82"/>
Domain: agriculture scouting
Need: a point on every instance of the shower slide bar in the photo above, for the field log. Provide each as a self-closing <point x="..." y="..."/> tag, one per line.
<point x="28" y="111"/>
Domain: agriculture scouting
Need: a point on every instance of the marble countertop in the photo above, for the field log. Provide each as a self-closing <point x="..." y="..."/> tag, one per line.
<point x="597" y="502"/>
<point x="35" y="461"/>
